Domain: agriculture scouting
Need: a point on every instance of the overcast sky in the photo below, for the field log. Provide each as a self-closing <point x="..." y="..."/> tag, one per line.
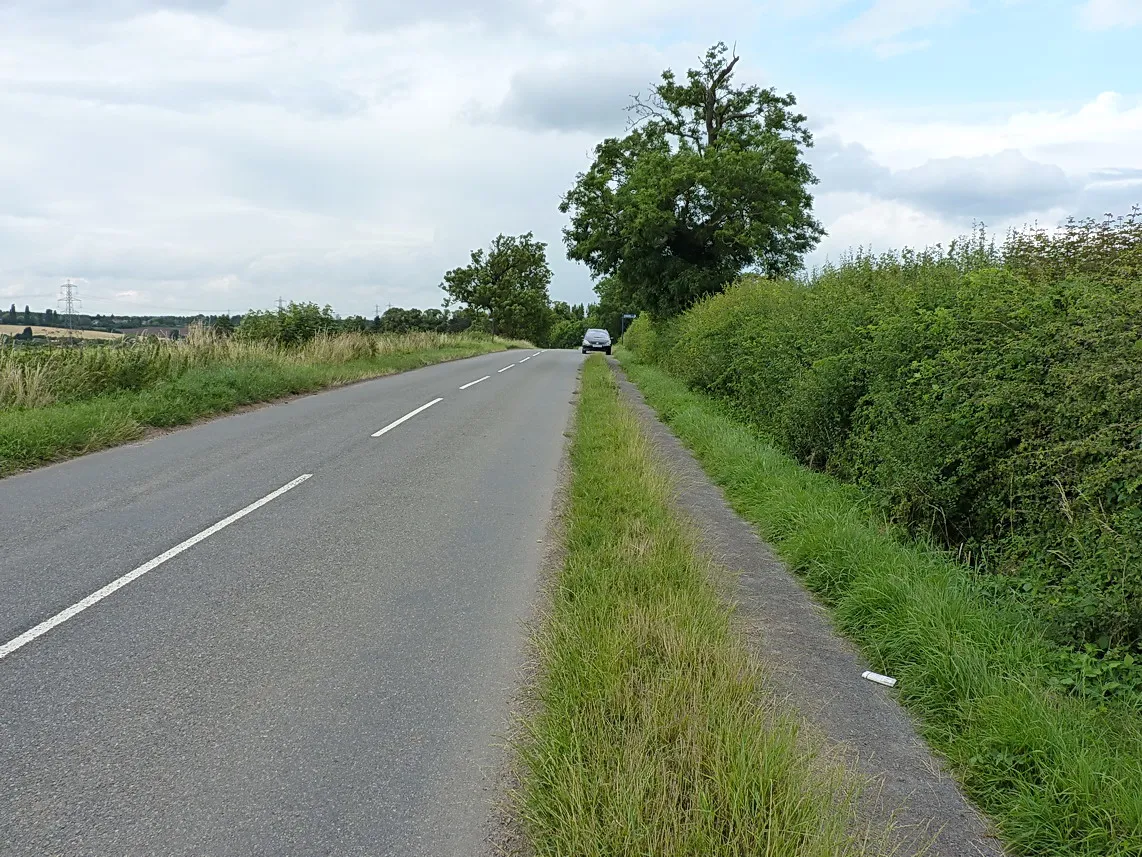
<point x="210" y="155"/>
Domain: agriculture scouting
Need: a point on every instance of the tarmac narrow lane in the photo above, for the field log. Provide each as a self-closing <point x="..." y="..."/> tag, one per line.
<point x="328" y="674"/>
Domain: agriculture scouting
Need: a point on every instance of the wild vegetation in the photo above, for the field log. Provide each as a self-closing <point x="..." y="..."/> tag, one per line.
<point x="1060" y="775"/>
<point x="989" y="398"/>
<point x="59" y="402"/>
<point x="654" y="734"/>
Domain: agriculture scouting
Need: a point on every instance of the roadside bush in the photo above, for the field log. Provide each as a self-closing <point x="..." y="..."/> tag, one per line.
<point x="988" y="398"/>
<point x="566" y="333"/>
<point x="293" y="325"/>
<point x="640" y="335"/>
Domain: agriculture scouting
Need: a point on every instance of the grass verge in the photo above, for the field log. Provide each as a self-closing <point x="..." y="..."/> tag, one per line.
<point x="1058" y="776"/>
<point x="653" y="734"/>
<point x="30" y="437"/>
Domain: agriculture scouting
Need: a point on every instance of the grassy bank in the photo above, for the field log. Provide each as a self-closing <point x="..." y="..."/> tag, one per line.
<point x="58" y="403"/>
<point x="1058" y="774"/>
<point x="653" y="733"/>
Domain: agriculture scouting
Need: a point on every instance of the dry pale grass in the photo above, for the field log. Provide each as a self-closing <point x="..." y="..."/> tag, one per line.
<point x="58" y="332"/>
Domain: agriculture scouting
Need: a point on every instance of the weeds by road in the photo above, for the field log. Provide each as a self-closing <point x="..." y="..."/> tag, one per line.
<point x="654" y="734"/>
<point x="1057" y="774"/>
<point x="56" y="403"/>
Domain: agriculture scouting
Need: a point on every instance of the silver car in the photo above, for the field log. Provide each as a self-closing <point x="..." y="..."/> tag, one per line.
<point x="596" y="340"/>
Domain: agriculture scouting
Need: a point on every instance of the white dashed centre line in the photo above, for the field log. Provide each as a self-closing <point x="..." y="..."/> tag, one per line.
<point x="505" y="369"/>
<point x="115" y="585"/>
<point x="406" y="417"/>
<point x="524" y="360"/>
<point x="474" y="383"/>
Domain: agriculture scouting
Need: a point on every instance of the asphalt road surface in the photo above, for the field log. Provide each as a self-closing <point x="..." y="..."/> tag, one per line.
<point x="194" y="661"/>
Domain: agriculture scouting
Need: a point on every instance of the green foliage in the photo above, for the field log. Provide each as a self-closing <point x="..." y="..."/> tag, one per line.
<point x="224" y="326"/>
<point x="570" y="323"/>
<point x="642" y="337"/>
<point x="1061" y="776"/>
<point x="509" y="281"/>
<point x="654" y="734"/>
<point x="566" y="333"/>
<point x="607" y="313"/>
<point x="293" y="325"/>
<point x="991" y="399"/>
<point x="709" y="182"/>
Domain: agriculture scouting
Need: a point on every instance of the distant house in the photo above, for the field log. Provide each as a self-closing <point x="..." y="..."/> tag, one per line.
<point x="158" y="332"/>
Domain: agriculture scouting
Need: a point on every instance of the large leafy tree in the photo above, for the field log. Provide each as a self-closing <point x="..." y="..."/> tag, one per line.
<point x="509" y="281"/>
<point x="709" y="181"/>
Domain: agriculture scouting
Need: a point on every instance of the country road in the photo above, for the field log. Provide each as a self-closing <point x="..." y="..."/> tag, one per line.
<point x="325" y="674"/>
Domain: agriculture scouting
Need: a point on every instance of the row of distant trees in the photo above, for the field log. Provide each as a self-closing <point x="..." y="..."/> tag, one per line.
<point x="47" y="318"/>
<point x="304" y="316"/>
<point x="557" y="325"/>
<point x="299" y="322"/>
<point x="88" y="321"/>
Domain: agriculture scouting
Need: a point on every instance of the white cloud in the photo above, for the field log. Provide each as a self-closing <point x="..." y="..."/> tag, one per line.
<point x="888" y="49"/>
<point x="579" y="92"/>
<point x="1109" y="14"/>
<point x="915" y="178"/>
<point x="1101" y="133"/>
<point x="864" y="220"/>
<point x="887" y="19"/>
<point x="1001" y="185"/>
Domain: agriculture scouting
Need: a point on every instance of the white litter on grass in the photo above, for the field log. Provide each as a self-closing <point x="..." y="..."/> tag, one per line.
<point x="887" y="681"/>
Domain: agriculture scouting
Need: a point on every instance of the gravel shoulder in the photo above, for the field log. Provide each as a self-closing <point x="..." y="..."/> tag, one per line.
<point x="819" y="672"/>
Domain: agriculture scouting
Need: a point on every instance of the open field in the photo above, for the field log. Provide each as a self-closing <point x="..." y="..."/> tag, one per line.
<point x="654" y="734"/>
<point x="57" y="332"/>
<point x="1058" y="774"/>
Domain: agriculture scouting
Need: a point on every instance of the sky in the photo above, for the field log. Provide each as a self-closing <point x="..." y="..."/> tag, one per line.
<point x="186" y="156"/>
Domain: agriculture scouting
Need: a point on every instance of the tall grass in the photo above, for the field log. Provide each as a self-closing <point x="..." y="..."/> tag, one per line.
<point x="31" y="378"/>
<point x="1060" y="776"/>
<point x="654" y="734"/>
<point x="58" y="402"/>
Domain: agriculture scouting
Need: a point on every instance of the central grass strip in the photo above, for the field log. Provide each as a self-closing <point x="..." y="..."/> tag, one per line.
<point x="653" y="734"/>
<point x="1059" y="776"/>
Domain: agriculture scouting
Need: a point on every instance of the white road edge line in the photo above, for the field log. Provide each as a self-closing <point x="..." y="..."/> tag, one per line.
<point x="505" y="369"/>
<point x="407" y="416"/>
<point x="474" y="383"/>
<point x="115" y="585"/>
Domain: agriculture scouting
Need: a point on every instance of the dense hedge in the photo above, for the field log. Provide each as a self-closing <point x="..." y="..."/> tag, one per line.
<point x="990" y="397"/>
